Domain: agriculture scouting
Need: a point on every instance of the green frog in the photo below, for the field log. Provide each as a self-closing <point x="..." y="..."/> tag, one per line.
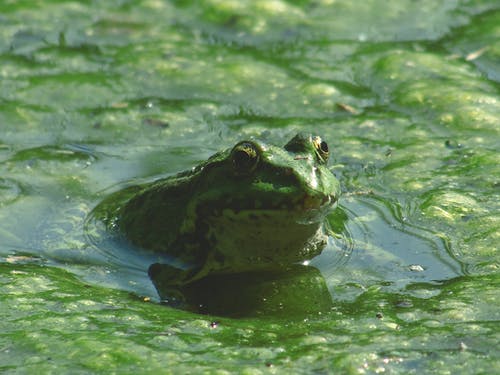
<point x="252" y="208"/>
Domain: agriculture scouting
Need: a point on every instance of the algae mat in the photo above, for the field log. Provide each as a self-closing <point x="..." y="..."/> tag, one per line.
<point x="98" y="95"/>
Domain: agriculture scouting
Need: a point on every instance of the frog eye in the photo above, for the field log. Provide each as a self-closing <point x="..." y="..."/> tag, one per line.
<point x="322" y="149"/>
<point x="245" y="157"/>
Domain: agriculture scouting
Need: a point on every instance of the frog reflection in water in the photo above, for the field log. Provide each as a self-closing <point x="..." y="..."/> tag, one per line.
<point x="252" y="208"/>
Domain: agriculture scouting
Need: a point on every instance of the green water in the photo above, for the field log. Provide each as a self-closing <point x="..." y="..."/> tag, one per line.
<point x="97" y="95"/>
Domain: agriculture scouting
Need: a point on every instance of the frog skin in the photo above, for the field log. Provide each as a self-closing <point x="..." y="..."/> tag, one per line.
<point x="254" y="207"/>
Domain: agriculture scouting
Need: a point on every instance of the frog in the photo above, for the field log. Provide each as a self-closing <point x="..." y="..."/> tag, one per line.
<point x="254" y="207"/>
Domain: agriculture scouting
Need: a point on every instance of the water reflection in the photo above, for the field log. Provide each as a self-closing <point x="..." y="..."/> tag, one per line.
<point x="296" y="290"/>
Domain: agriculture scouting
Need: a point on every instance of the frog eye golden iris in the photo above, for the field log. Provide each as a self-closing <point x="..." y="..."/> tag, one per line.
<point x="245" y="157"/>
<point x="322" y="149"/>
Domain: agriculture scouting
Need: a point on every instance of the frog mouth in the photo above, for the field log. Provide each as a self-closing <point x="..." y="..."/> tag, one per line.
<point x="305" y="204"/>
<point x="309" y="202"/>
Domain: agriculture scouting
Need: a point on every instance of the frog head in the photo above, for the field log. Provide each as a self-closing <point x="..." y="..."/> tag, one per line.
<point x="262" y="206"/>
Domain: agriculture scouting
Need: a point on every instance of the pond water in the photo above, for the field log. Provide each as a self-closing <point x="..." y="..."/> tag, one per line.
<point x="95" y="96"/>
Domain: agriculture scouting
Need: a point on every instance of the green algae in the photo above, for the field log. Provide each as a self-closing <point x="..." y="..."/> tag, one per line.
<point x="97" y="95"/>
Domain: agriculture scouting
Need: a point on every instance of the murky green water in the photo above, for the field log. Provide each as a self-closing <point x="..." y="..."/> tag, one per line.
<point x="96" y="95"/>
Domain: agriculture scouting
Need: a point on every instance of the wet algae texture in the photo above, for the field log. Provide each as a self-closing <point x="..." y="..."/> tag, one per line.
<point x="96" y="96"/>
